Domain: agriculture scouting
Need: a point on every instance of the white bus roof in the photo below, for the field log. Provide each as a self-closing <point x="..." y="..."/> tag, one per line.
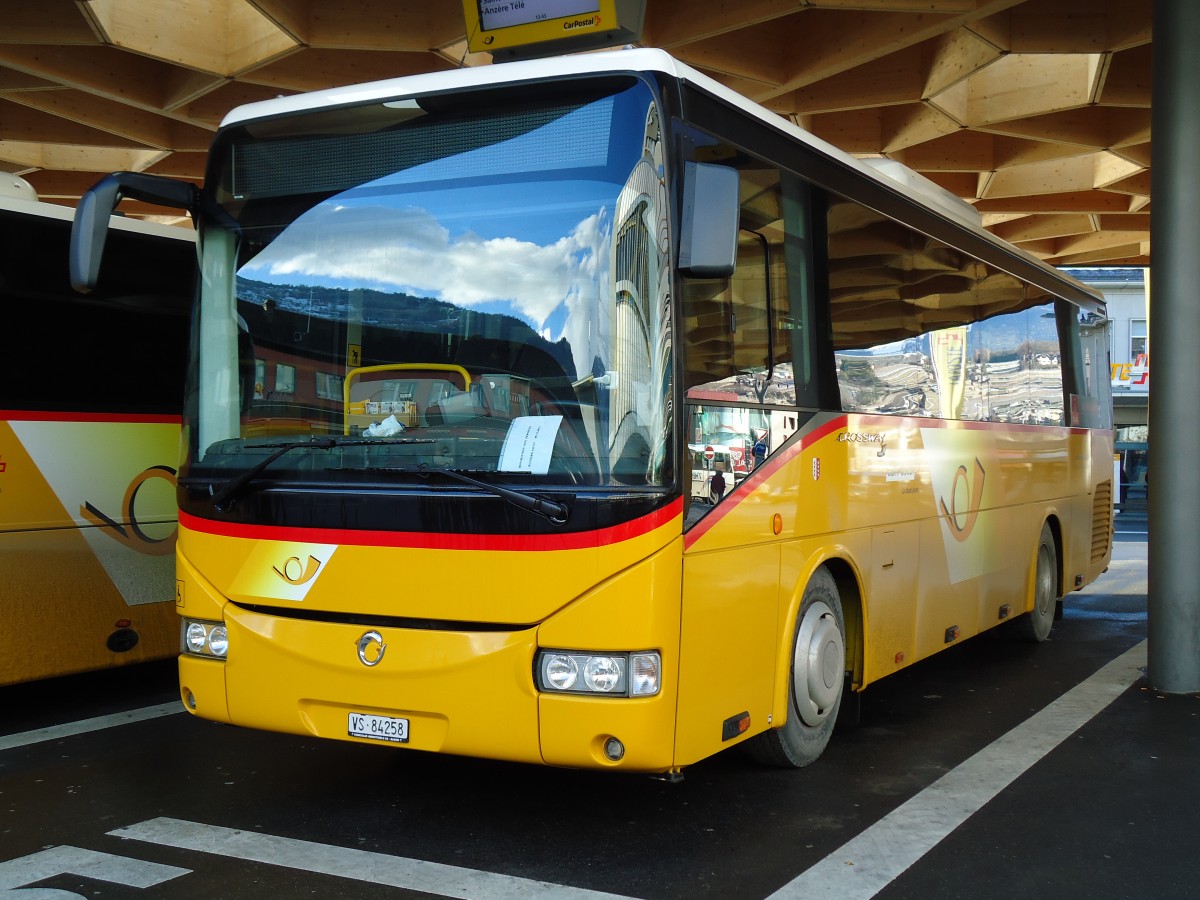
<point x="635" y="60"/>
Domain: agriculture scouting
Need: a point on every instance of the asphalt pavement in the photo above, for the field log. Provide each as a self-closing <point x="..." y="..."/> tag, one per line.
<point x="996" y="769"/>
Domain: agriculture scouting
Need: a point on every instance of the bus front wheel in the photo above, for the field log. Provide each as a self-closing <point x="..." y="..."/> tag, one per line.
<point x="817" y="678"/>
<point x="1036" y="624"/>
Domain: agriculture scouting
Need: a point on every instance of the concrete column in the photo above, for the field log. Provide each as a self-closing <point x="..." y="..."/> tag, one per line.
<point x="1174" y="543"/>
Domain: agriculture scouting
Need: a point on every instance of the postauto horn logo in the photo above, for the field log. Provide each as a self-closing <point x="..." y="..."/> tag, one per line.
<point x="125" y="527"/>
<point x="293" y="571"/>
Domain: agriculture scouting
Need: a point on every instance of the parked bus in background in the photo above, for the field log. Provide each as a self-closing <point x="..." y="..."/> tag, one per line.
<point x="90" y="394"/>
<point x="541" y="278"/>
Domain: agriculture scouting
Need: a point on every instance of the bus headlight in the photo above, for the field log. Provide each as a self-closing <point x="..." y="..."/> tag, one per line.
<point x="613" y="674"/>
<point x="209" y="639"/>
<point x="603" y="674"/>
<point x="560" y="671"/>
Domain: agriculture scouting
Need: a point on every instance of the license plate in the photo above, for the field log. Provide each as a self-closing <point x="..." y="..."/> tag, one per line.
<point x="378" y="728"/>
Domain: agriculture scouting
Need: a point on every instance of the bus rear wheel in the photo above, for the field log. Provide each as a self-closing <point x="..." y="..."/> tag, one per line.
<point x="1035" y="625"/>
<point x="818" y="674"/>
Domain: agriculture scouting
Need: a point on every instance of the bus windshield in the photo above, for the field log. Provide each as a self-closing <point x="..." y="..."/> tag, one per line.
<point x="477" y="286"/>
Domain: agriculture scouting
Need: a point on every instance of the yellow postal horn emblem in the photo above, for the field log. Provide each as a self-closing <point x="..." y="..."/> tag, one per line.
<point x="294" y="571"/>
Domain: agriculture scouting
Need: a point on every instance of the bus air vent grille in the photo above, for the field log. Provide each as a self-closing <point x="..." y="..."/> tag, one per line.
<point x="1102" y="517"/>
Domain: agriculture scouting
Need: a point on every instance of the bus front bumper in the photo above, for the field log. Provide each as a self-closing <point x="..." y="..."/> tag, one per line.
<point x="465" y="693"/>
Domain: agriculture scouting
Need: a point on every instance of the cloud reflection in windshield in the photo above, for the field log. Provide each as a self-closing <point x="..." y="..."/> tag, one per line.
<point x="408" y="250"/>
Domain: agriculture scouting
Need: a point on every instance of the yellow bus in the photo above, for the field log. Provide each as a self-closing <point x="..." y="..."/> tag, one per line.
<point x="90" y="395"/>
<point x="530" y="282"/>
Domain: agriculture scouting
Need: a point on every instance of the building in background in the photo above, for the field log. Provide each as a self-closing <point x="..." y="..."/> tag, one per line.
<point x="1125" y="289"/>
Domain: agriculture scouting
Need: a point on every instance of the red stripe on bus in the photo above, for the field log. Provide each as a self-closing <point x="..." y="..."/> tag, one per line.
<point x="28" y="415"/>
<point x="419" y="540"/>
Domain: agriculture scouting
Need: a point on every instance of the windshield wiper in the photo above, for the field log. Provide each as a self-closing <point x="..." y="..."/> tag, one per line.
<point x="224" y="498"/>
<point x="553" y="510"/>
<point x="233" y="489"/>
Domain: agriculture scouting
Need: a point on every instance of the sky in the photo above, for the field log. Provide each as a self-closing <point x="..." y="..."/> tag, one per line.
<point x="412" y="249"/>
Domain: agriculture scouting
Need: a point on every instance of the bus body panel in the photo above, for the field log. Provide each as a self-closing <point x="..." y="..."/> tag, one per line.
<point x="466" y="691"/>
<point x="637" y="609"/>
<point x="939" y="522"/>
<point x="462" y="692"/>
<point x="482" y="578"/>
<point x="87" y="529"/>
<point x="891" y="582"/>
<point x="731" y="599"/>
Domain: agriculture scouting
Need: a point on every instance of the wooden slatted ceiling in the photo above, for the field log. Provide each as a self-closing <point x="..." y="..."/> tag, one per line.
<point x="1036" y="111"/>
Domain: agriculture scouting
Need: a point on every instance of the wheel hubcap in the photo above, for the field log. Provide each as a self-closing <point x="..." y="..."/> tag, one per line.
<point x="818" y="668"/>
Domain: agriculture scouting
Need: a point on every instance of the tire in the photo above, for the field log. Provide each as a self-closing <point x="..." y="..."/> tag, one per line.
<point x="818" y="675"/>
<point x="1035" y="625"/>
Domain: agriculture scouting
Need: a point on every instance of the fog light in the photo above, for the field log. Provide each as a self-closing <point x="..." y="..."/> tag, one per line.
<point x="189" y="699"/>
<point x="614" y="749"/>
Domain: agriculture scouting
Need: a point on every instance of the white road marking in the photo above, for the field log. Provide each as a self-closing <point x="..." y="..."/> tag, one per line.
<point x="871" y="861"/>
<point x="70" y="729"/>
<point x="344" y="862"/>
<point x="856" y="871"/>
<point x="16" y="873"/>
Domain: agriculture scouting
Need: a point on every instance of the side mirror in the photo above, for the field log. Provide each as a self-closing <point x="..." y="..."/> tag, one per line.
<point x="89" y="230"/>
<point x="709" y="225"/>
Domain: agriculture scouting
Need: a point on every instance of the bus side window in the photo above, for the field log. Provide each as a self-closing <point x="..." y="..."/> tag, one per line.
<point x="924" y="329"/>
<point x="740" y="332"/>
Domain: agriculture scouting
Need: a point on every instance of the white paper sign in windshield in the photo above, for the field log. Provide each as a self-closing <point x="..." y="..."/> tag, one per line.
<point x="529" y="444"/>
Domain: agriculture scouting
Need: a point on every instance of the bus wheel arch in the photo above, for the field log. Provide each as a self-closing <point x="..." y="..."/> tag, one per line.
<point x="816" y="676"/>
<point x="850" y="592"/>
